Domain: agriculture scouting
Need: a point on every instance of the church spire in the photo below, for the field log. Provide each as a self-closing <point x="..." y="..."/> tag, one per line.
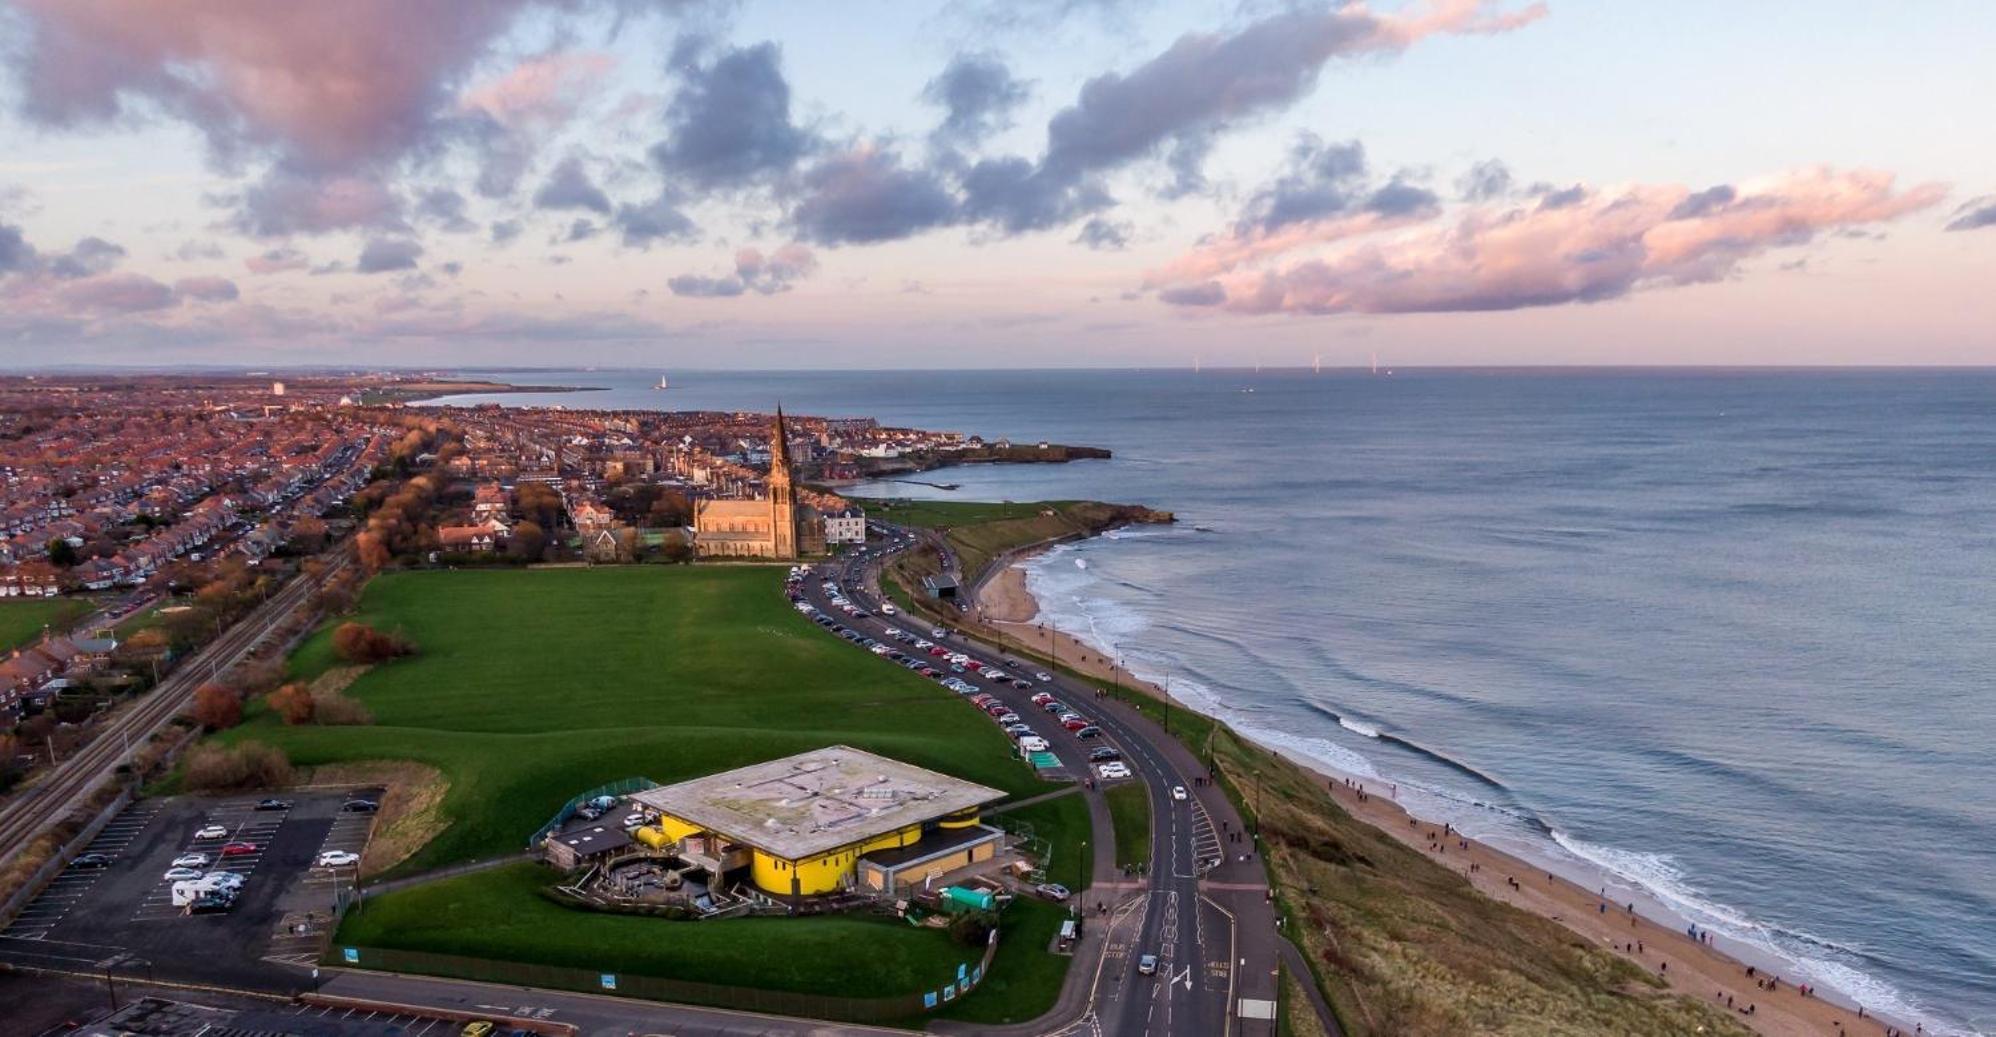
<point x="779" y="443"/>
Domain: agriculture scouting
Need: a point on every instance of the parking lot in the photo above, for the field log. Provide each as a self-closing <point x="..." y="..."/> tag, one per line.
<point x="125" y="910"/>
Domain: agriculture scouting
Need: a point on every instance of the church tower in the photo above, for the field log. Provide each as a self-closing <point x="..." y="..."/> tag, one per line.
<point x="782" y="497"/>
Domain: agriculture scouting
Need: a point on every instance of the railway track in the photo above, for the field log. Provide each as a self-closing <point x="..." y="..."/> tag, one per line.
<point x="33" y="809"/>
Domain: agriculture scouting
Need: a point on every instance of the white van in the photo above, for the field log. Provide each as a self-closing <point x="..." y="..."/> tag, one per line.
<point x="187" y="891"/>
<point x="887" y="608"/>
<point x="1032" y="744"/>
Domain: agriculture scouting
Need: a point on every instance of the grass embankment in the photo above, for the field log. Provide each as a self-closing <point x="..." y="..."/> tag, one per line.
<point x="1408" y="949"/>
<point x="533" y="686"/>
<point x="1025" y="980"/>
<point x="22" y="619"/>
<point x="980" y="531"/>
<point x="842" y="955"/>
<point x="1129" y="809"/>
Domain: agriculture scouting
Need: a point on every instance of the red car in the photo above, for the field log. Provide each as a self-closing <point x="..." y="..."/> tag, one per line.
<point x="974" y="665"/>
<point x="939" y="650"/>
<point x="1072" y="725"/>
<point x="238" y="849"/>
<point x="1042" y="699"/>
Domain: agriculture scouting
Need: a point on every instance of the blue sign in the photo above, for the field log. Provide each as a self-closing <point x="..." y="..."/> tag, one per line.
<point x="351" y="954"/>
<point x="929" y="999"/>
<point x="949" y="992"/>
<point x="977" y="974"/>
<point x="609" y="981"/>
<point x="961" y="968"/>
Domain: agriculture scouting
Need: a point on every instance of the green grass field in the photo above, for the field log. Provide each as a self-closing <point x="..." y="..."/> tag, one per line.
<point x="22" y="619"/>
<point x="456" y="916"/>
<point x="1129" y="809"/>
<point x="935" y="514"/>
<point x="534" y="685"/>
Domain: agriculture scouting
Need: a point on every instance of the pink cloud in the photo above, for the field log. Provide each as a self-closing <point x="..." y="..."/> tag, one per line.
<point x="116" y="293"/>
<point x="1588" y="247"/>
<point x="206" y="289"/>
<point x="541" y="92"/>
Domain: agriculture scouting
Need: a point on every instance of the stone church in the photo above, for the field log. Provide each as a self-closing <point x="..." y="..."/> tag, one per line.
<point x="774" y="527"/>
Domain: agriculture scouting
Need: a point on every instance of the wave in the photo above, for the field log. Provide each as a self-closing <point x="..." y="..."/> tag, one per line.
<point x="1358" y="727"/>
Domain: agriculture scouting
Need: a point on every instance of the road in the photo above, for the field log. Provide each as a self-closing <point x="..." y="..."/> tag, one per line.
<point x="33" y="809"/>
<point x="1203" y="910"/>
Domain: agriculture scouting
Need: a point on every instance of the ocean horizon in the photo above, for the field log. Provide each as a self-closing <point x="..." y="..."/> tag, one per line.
<point x="1715" y="637"/>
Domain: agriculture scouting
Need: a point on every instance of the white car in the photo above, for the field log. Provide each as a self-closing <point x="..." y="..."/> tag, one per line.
<point x="1178" y="792"/>
<point x="1042" y="677"/>
<point x="337" y="859"/>
<point x="1112" y="770"/>
<point x="191" y="860"/>
<point x="182" y="874"/>
<point x="211" y="832"/>
<point x="227" y="879"/>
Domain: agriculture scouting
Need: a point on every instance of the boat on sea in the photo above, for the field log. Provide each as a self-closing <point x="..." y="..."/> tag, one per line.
<point x="662" y="383"/>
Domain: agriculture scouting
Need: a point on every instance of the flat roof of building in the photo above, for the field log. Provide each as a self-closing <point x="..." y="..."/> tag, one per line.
<point x="803" y="805"/>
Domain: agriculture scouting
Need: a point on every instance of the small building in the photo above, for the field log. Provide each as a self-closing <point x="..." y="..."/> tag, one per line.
<point x="941" y="586"/>
<point x="823" y="821"/>
<point x="846" y="527"/>
<point x="579" y="846"/>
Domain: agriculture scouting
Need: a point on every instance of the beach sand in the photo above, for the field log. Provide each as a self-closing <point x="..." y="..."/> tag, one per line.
<point x="1005" y="605"/>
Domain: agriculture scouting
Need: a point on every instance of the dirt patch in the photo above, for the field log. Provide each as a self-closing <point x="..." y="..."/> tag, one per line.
<point x="411" y="807"/>
<point x="336" y="680"/>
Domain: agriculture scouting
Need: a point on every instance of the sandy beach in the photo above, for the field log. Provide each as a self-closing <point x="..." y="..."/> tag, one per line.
<point x="1005" y="605"/>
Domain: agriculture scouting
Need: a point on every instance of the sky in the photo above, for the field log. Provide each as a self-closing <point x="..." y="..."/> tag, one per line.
<point x="697" y="183"/>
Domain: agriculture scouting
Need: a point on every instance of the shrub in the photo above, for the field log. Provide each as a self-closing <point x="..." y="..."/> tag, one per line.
<point x="360" y="643"/>
<point x="292" y="702"/>
<point x="247" y="766"/>
<point x="217" y="707"/>
<point x="334" y="709"/>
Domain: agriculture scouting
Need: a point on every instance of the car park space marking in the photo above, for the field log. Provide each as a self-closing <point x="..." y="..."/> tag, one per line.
<point x="72" y="884"/>
<point x="245" y="824"/>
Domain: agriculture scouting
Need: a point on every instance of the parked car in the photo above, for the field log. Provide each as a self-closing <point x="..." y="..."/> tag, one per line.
<point x="1074" y="723"/>
<point x="1053" y="707"/>
<point x="1105" y="752"/>
<point x="1052" y="891"/>
<point x="1042" y="698"/>
<point x="1022" y="684"/>
<point x="939" y="632"/>
<point x="229" y="880"/>
<point x="213" y="903"/>
<point x="337" y="859"/>
<point x="181" y="874"/>
<point x="368" y="806"/>
<point x="273" y="804"/>
<point x="211" y="832"/>
<point x="1090" y="731"/>
<point x="92" y="860"/>
<point x="1113" y="770"/>
<point x="191" y="860"/>
<point x="1042" y="677"/>
<point x="238" y="849"/>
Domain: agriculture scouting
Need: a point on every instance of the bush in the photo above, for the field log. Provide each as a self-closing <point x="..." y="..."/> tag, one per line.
<point x="360" y="643"/>
<point x="292" y="702"/>
<point x="217" y="707"/>
<point x="250" y="765"/>
<point x="334" y="709"/>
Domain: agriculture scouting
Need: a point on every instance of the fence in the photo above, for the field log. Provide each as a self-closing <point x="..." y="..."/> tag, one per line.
<point x="652" y="988"/>
<point x="623" y="787"/>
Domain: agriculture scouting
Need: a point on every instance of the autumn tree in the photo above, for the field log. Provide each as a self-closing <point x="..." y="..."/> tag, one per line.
<point x="292" y="702"/>
<point x="217" y="707"/>
<point x="373" y="553"/>
<point x="360" y="643"/>
<point x="528" y="541"/>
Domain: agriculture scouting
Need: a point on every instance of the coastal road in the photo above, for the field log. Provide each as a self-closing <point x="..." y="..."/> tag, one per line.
<point x="32" y="810"/>
<point x="1202" y="910"/>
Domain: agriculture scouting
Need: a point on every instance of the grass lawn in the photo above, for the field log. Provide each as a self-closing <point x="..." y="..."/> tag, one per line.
<point x="1063" y="823"/>
<point x="532" y="686"/>
<point x="936" y="514"/>
<point x="455" y="916"/>
<point x="22" y="619"/>
<point x="1129" y="809"/>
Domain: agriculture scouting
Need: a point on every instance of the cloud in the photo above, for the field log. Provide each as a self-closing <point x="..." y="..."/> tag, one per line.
<point x="977" y="93"/>
<point x="865" y="195"/>
<point x="754" y="272"/>
<point x="657" y="220"/>
<point x="15" y="252"/>
<point x="287" y="202"/>
<point x="277" y="260"/>
<point x="581" y="230"/>
<point x="569" y="187"/>
<point x="1320" y="180"/>
<point x="504" y="231"/>
<point x="381" y="255"/>
<point x="90" y="257"/>
<point x="207" y="289"/>
<point x="116" y="293"/>
<point x="1974" y="214"/>
<point x="729" y="125"/>
<point x="445" y="208"/>
<point x="542" y="92"/>
<point x="1485" y="181"/>
<point x="191" y="251"/>
<point x="1601" y="245"/>
<point x="1104" y="235"/>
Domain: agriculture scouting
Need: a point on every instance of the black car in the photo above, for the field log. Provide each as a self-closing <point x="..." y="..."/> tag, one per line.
<point x="211" y="904"/>
<point x="1091" y="731"/>
<point x="92" y="860"/>
<point x="274" y="804"/>
<point x="360" y="806"/>
<point x="1105" y="752"/>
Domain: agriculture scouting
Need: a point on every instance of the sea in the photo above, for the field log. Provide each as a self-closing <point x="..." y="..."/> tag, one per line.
<point x="1722" y="642"/>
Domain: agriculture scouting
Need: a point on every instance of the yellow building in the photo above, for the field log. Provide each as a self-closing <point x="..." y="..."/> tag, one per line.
<point x="822" y="821"/>
<point x="775" y="527"/>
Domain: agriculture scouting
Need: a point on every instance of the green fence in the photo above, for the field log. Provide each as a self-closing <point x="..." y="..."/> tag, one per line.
<point x="653" y="988"/>
<point x="623" y="787"/>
